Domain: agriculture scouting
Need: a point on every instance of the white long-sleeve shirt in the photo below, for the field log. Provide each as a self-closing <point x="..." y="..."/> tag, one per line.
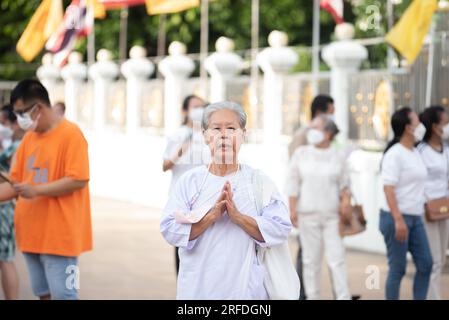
<point x="317" y="176"/>
<point x="212" y="265"/>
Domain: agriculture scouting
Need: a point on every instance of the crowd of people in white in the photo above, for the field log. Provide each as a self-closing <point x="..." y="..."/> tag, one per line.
<point x="220" y="223"/>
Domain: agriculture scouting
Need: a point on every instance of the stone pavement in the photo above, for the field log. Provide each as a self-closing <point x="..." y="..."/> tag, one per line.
<point x="131" y="260"/>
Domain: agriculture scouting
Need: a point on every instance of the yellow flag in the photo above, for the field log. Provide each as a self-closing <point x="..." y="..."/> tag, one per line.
<point x="99" y="10"/>
<point x="407" y="36"/>
<point x="43" y="23"/>
<point x="169" y="6"/>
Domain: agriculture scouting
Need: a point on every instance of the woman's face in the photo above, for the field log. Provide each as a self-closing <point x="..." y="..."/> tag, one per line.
<point x="195" y="103"/>
<point x="224" y="136"/>
<point x="194" y="112"/>
<point x="4" y="121"/>
<point x="319" y="124"/>
<point x="438" y="129"/>
<point x="414" y="123"/>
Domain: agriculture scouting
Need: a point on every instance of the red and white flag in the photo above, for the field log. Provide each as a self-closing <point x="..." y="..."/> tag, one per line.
<point x="335" y="8"/>
<point x="78" y="22"/>
<point x="119" y="4"/>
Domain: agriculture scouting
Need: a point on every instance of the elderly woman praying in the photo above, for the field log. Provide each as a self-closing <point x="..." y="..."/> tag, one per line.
<point x="212" y="216"/>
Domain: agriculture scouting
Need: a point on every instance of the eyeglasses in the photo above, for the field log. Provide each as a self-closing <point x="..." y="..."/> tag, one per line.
<point x="25" y="110"/>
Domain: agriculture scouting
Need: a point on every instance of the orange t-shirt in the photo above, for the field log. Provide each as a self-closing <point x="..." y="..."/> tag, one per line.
<point x="53" y="225"/>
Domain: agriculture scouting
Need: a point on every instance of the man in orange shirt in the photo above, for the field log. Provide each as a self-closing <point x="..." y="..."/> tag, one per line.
<point x="49" y="177"/>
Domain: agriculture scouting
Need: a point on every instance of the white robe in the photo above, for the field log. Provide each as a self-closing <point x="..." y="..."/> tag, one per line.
<point x="212" y="266"/>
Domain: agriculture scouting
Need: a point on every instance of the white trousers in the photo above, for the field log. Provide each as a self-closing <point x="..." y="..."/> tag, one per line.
<point x="319" y="234"/>
<point x="438" y="235"/>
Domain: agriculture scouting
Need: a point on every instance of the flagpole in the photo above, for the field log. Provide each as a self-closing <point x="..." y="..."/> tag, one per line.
<point x="316" y="46"/>
<point x="204" y="41"/>
<point x="162" y="35"/>
<point x="430" y="65"/>
<point x="91" y="45"/>
<point x="390" y="51"/>
<point x="123" y="34"/>
<point x="254" y="76"/>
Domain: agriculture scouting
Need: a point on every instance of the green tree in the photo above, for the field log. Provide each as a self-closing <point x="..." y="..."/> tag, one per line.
<point x="231" y="18"/>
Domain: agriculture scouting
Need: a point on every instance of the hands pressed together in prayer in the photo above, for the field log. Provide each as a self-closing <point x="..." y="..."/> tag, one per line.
<point x="225" y="204"/>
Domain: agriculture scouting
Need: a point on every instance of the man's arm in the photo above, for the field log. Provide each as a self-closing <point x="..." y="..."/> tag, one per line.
<point x="56" y="188"/>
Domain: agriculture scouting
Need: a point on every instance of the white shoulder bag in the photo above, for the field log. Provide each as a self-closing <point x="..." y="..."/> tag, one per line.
<point x="281" y="279"/>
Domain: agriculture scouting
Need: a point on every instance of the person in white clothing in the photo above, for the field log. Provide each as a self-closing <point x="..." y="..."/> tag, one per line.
<point x="435" y="155"/>
<point x="186" y="149"/>
<point x="212" y="217"/>
<point x="318" y="190"/>
<point x="404" y="175"/>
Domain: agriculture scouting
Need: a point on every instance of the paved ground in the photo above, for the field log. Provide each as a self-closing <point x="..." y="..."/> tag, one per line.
<point x="131" y="260"/>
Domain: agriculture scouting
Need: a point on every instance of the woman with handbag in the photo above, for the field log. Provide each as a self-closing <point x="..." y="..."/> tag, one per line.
<point x="218" y="215"/>
<point x="318" y="190"/>
<point x="401" y="218"/>
<point x="436" y="158"/>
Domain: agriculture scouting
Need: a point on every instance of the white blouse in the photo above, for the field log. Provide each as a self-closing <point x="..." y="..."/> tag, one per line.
<point x="437" y="164"/>
<point x="317" y="176"/>
<point x="405" y="170"/>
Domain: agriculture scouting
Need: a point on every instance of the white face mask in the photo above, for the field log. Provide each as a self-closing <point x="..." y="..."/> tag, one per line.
<point x="445" y="135"/>
<point x="5" y="132"/>
<point x="25" y="122"/>
<point x="196" y="114"/>
<point x="419" y="132"/>
<point x="330" y="116"/>
<point x="315" y="136"/>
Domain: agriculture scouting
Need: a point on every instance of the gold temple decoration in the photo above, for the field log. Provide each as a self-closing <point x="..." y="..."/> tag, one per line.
<point x="306" y="102"/>
<point x="382" y="107"/>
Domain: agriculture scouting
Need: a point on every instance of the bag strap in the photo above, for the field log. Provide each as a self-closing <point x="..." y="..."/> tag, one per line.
<point x="257" y="187"/>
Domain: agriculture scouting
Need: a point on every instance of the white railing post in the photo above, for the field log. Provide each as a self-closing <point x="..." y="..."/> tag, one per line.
<point x="48" y="74"/>
<point x="344" y="57"/>
<point x="102" y="72"/>
<point x="275" y="62"/>
<point x="136" y="70"/>
<point x="176" y="68"/>
<point x="74" y="73"/>
<point x="222" y="66"/>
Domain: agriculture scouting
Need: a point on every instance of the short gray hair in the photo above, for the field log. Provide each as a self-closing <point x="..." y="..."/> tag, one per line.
<point x="225" y="105"/>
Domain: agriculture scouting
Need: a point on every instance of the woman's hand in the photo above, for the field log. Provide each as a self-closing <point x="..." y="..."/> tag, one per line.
<point x="233" y="213"/>
<point x="247" y="223"/>
<point x="294" y="219"/>
<point x="345" y="208"/>
<point x="401" y="230"/>
<point x="293" y="205"/>
<point x="220" y="206"/>
<point x="345" y="211"/>
<point x="214" y="214"/>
